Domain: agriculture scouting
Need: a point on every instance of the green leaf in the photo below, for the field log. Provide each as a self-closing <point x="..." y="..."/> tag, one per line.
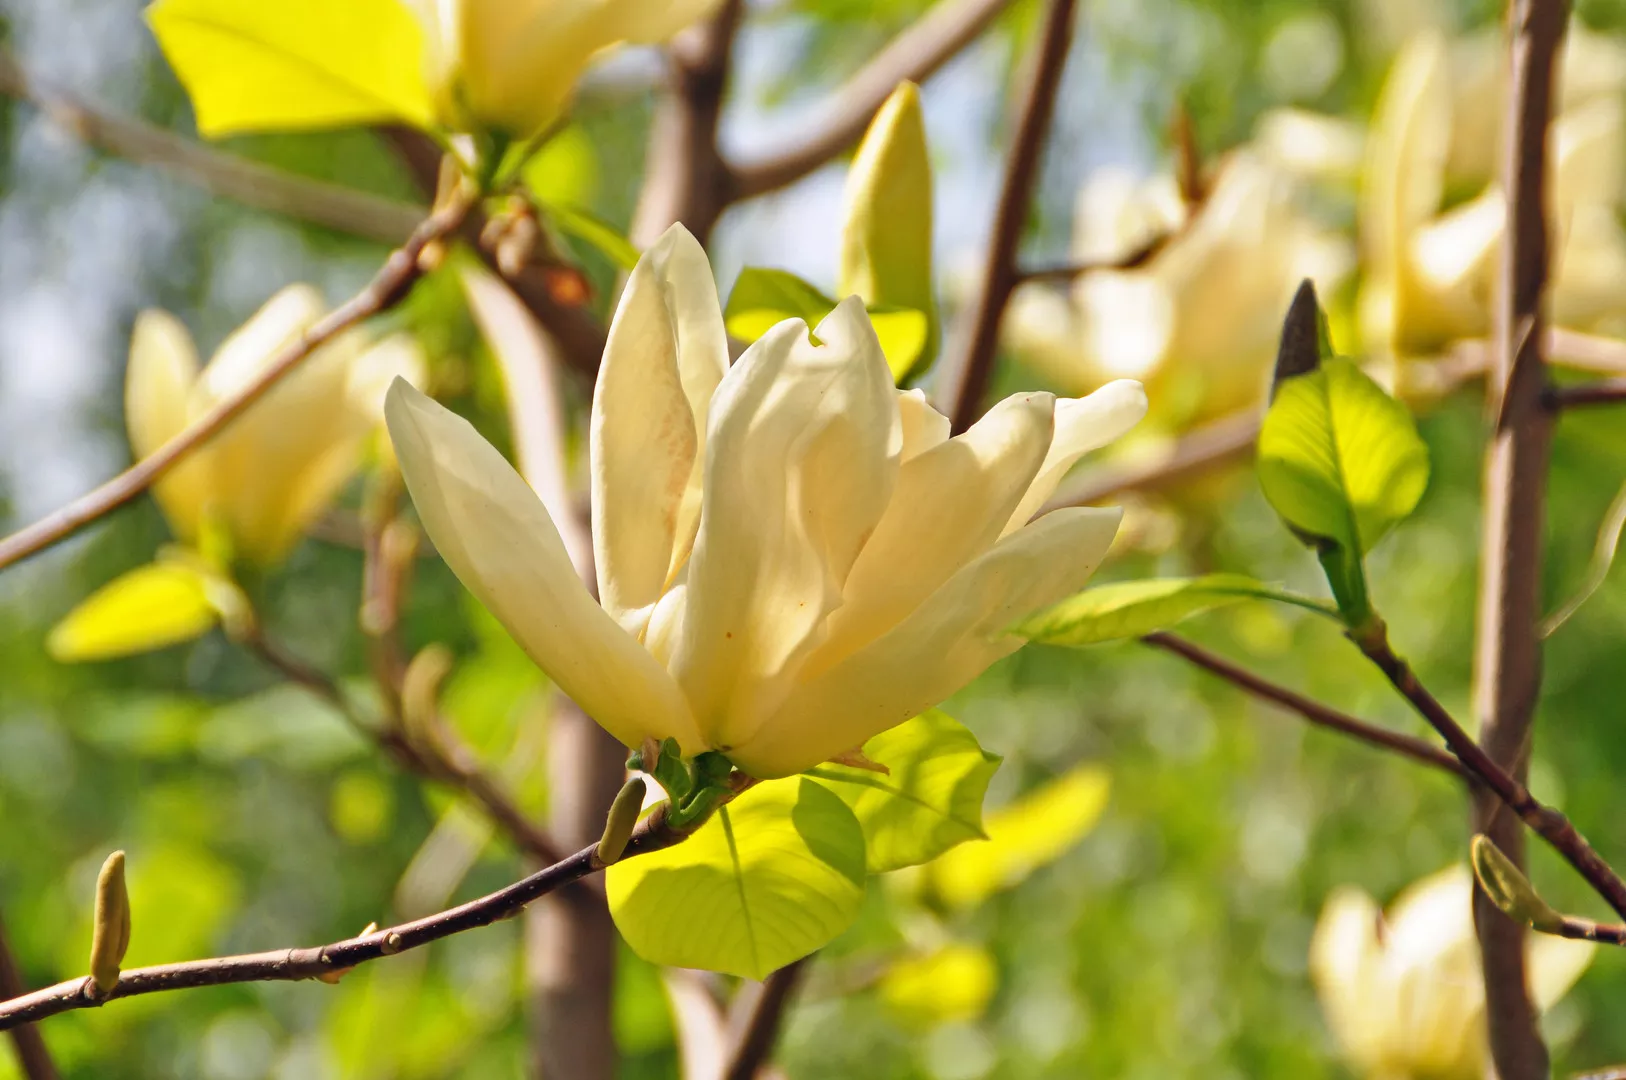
<point x="295" y="64"/>
<point x="595" y="232"/>
<point x="151" y="607"/>
<point x="1129" y="609"/>
<point x="929" y="802"/>
<point x="1031" y="832"/>
<point x="763" y="298"/>
<point x="772" y="876"/>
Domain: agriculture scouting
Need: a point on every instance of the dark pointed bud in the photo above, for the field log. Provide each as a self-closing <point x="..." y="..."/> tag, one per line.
<point x="1300" y="351"/>
<point x="622" y="820"/>
<point x="111" y="937"/>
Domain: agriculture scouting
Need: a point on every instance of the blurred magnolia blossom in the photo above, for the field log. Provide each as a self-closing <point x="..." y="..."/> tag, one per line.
<point x="270" y="472"/>
<point x="1403" y="992"/>
<point x="1432" y="214"/>
<point x="1198" y="322"/>
<point x="792" y="555"/>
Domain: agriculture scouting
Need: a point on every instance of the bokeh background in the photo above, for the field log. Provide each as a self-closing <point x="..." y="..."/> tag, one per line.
<point x="1170" y="941"/>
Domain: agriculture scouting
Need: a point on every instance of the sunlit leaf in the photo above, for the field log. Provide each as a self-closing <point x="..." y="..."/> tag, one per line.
<point x="595" y="232"/>
<point x="906" y="335"/>
<point x="764" y="298"/>
<point x="294" y="64"/>
<point x="930" y="801"/>
<point x="1129" y="609"/>
<point x="1029" y="833"/>
<point x="771" y="877"/>
<point x="150" y="607"/>
<point x="952" y="985"/>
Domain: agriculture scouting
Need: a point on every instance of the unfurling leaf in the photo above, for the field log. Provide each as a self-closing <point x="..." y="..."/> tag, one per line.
<point x="929" y="800"/>
<point x="1130" y="609"/>
<point x="886" y="241"/>
<point x="1339" y="459"/>
<point x="772" y="876"/>
<point x="1510" y="890"/>
<point x="151" y="607"/>
<point x="952" y="985"/>
<point x="763" y="298"/>
<point x="252" y="66"/>
<point x="1029" y="833"/>
<point x="622" y="819"/>
<point x="110" y="938"/>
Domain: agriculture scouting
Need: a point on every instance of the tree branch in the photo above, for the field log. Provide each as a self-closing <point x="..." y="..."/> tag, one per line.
<point x="914" y="55"/>
<point x="330" y="960"/>
<point x="1601" y="392"/>
<point x="966" y="380"/>
<point x="1316" y="713"/>
<point x="32" y="1055"/>
<point x="391" y="284"/>
<point x="762" y="1018"/>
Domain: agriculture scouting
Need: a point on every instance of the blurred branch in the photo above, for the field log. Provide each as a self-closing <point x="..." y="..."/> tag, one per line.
<point x="391" y="285"/>
<point x="1316" y="713"/>
<point x="1068" y="271"/>
<point x="1220" y="443"/>
<point x="965" y="381"/>
<point x="1508" y="645"/>
<point x="330" y="205"/>
<point x="32" y="1056"/>
<point x="762" y="1017"/>
<point x="333" y="960"/>
<point x="914" y="55"/>
<point x="1602" y="392"/>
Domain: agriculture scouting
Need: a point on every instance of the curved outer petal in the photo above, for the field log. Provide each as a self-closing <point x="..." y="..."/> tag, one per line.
<point x="1082" y="425"/>
<point x="802" y="457"/>
<point x="493" y="532"/>
<point x="948" y="641"/>
<point x="1344" y="962"/>
<point x="157" y="392"/>
<point x="948" y="508"/>
<point x="923" y="426"/>
<point x="667" y="352"/>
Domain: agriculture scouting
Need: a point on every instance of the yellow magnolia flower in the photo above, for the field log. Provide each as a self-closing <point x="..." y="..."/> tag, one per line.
<point x="1431" y="272"/>
<point x="280" y="463"/>
<point x="1402" y="992"/>
<point x="1200" y="320"/>
<point x="793" y="556"/>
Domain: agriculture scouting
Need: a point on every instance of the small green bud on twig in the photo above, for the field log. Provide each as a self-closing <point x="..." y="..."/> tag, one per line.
<point x="110" y="938"/>
<point x="1510" y="890"/>
<point x="622" y="820"/>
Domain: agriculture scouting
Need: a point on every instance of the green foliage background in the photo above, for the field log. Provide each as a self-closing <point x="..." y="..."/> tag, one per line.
<point x="1170" y="943"/>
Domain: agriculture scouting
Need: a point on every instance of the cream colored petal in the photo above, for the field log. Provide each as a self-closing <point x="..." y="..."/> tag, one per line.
<point x="1589" y="155"/>
<point x="944" y="644"/>
<point x="667" y="352"/>
<point x="1555" y="964"/>
<point x="650" y="21"/>
<point x="1117" y="212"/>
<point x="493" y="532"/>
<point x="1082" y="425"/>
<point x="157" y="389"/>
<point x="948" y="508"/>
<point x="244" y="354"/>
<point x="1345" y="958"/>
<point x="1405" y="160"/>
<point x="800" y="463"/>
<point x="923" y="426"/>
<point x="1128" y="320"/>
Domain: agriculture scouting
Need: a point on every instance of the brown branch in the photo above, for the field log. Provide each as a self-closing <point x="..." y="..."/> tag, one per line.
<point x="913" y="56"/>
<point x="1508" y="643"/>
<point x="261" y="186"/>
<point x="391" y="284"/>
<point x="1601" y="392"/>
<point x="966" y="380"/>
<point x="1419" y="750"/>
<point x="1070" y="270"/>
<point x="32" y="1055"/>
<point x="762" y="1019"/>
<point x="330" y="960"/>
<point x="1222" y="442"/>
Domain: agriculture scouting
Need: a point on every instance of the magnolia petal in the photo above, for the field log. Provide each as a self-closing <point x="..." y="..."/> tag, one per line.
<point x="494" y="533"/>
<point x="667" y="352"/>
<point x="650" y="21"/>
<point x="1555" y="964"/>
<point x="157" y="390"/>
<point x="944" y="644"/>
<point x="923" y="426"/>
<point x="1406" y="154"/>
<point x="949" y="507"/>
<point x="1082" y="425"/>
<point x="802" y="456"/>
<point x="1344" y="954"/>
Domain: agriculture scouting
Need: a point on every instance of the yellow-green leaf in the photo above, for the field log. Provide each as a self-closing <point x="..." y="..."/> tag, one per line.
<point x="772" y="876"/>
<point x="907" y="336"/>
<point x="762" y="299"/>
<point x="150" y="607"/>
<point x="595" y="232"/>
<point x="952" y="985"/>
<point x="886" y="241"/>
<point x="253" y="65"/>
<point x="1031" y="832"/>
<point x="1129" y="609"/>
<point x="930" y="801"/>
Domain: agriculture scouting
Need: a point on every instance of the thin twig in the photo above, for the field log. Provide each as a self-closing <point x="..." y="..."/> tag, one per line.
<point x="1603" y="557"/>
<point x="1601" y="392"/>
<point x="966" y="380"/>
<point x="1410" y="746"/>
<point x="1069" y="270"/>
<point x="391" y="284"/>
<point x="32" y="1054"/>
<point x="763" y="1019"/>
<point x="334" y="959"/>
<point x="913" y="56"/>
<point x="331" y="205"/>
